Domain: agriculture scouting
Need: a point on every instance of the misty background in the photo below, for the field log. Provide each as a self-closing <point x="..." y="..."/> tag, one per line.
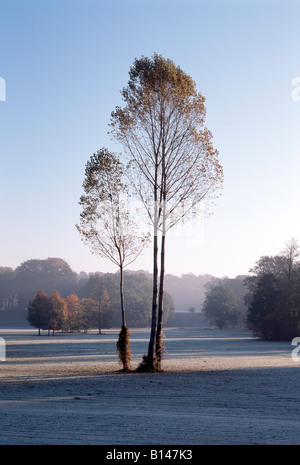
<point x="65" y="63"/>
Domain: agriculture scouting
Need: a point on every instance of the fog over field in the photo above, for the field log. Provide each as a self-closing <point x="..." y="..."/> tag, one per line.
<point x="217" y="387"/>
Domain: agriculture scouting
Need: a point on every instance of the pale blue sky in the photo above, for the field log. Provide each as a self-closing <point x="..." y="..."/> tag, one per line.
<point x="64" y="63"/>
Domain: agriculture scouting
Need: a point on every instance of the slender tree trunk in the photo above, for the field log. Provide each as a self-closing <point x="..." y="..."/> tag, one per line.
<point x="159" y="333"/>
<point x="99" y="317"/>
<point x="122" y="295"/>
<point x="123" y="344"/>
<point x="150" y="360"/>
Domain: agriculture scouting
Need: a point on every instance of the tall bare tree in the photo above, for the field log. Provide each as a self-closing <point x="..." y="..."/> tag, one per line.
<point x="289" y="255"/>
<point x="172" y="161"/>
<point x="106" y="225"/>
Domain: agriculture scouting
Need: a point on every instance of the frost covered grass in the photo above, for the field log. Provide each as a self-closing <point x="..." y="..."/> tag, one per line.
<point x="217" y="387"/>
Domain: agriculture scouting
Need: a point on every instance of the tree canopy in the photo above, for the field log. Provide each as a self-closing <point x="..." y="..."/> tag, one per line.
<point x="48" y="274"/>
<point x="220" y="306"/>
<point x="48" y="312"/>
<point x="105" y="222"/>
<point x="274" y="295"/>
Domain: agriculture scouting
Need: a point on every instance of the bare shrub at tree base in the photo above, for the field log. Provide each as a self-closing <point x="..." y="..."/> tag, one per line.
<point x="144" y="365"/>
<point x="123" y="348"/>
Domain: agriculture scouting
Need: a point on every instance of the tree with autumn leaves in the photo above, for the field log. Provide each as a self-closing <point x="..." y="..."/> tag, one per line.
<point x="168" y="164"/>
<point x="107" y="227"/>
<point x="51" y="312"/>
<point x="47" y="312"/>
<point x="172" y="165"/>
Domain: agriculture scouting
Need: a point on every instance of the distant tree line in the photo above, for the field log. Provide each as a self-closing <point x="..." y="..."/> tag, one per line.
<point x="267" y="301"/>
<point x="18" y="288"/>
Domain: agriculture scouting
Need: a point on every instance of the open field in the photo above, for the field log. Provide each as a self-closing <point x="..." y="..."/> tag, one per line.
<point x="218" y="387"/>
